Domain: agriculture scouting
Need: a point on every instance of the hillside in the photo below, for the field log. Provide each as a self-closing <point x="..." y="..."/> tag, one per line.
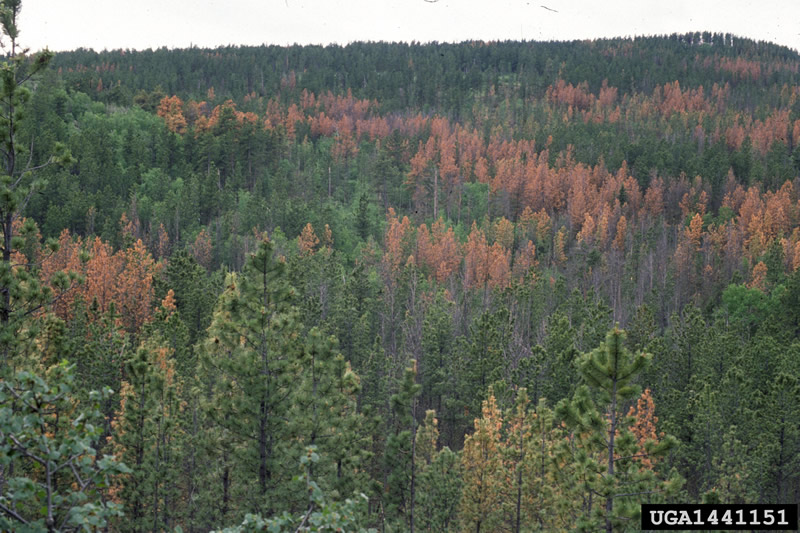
<point x="407" y="256"/>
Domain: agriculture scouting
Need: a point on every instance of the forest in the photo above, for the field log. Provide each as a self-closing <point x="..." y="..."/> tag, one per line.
<point x="486" y="286"/>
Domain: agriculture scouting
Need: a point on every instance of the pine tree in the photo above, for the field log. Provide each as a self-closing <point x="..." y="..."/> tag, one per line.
<point x="267" y="391"/>
<point x="21" y="293"/>
<point x="308" y="240"/>
<point x="321" y="514"/>
<point x="400" y="487"/>
<point x="426" y="440"/>
<point x="168" y="326"/>
<point x="439" y="474"/>
<point x="780" y="437"/>
<point x="439" y="492"/>
<point x="194" y="293"/>
<point x="483" y="476"/>
<point x="325" y="415"/>
<point x="171" y="110"/>
<point x="362" y="217"/>
<point x="436" y="365"/>
<point x="98" y="348"/>
<point x="515" y="455"/>
<point x="644" y="426"/>
<point x="560" y="367"/>
<point x="550" y="493"/>
<point x="351" y="319"/>
<point x="316" y="275"/>
<point x="483" y="361"/>
<point x="606" y="450"/>
<point x="733" y="483"/>
<point x="146" y="435"/>
<point x="50" y="475"/>
<point x="703" y="435"/>
<point x="251" y="362"/>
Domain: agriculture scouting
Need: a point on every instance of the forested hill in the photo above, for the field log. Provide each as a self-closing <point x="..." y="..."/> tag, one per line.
<point x="575" y="146"/>
<point x="436" y="77"/>
<point x="401" y="270"/>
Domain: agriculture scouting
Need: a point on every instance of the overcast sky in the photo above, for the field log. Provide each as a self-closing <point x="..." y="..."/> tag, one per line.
<point x="140" y="24"/>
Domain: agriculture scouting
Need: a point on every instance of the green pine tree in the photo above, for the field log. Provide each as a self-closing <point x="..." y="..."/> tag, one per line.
<point x="438" y="488"/>
<point x="605" y="450"/>
<point x="325" y="415"/>
<point x="562" y="359"/>
<point x="250" y="365"/>
<point x="437" y="364"/>
<point x="21" y="292"/>
<point x="483" y="359"/>
<point x="400" y="485"/>
<point x="268" y="391"/>
<point x="193" y="291"/>
<point x="147" y="435"/>
<point x="779" y="434"/>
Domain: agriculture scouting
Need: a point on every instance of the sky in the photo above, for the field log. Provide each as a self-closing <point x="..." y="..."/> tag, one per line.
<point x="112" y="24"/>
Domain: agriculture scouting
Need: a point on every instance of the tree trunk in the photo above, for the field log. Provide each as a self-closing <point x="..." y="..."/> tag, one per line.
<point x="519" y="499"/>
<point x="435" y="194"/>
<point x="225" y="489"/>
<point x="612" y="432"/>
<point x="413" y="463"/>
<point x="262" y="450"/>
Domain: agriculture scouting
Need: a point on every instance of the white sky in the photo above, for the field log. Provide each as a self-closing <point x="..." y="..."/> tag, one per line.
<point x="141" y="24"/>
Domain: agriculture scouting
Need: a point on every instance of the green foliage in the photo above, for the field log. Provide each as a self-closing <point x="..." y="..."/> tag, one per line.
<point x="439" y="492"/>
<point x="562" y="358"/>
<point x="54" y="480"/>
<point x="607" y="451"/>
<point x="322" y="515"/>
<point x="194" y="292"/>
<point x="780" y="437"/>
<point x="400" y="450"/>
<point x="325" y="412"/>
<point x="21" y="293"/>
<point x="482" y="360"/>
<point x="148" y="434"/>
<point x="747" y="308"/>
<point x="732" y="484"/>
<point x="363" y="225"/>
<point x="439" y="359"/>
<point x="270" y="390"/>
<point x="250" y="362"/>
<point x="97" y="345"/>
<point x="610" y="368"/>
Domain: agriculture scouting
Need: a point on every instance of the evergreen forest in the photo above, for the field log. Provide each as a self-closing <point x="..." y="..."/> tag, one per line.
<point x="477" y="287"/>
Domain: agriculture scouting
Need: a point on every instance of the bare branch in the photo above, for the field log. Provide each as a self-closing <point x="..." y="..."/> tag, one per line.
<point x="310" y="509"/>
<point x="30" y="154"/>
<point x="81" y="483"/>
<point x="25" y="451"/>
<point x="637" y="493"/>
<point x="12" y="513"/>
<point x="37" y="167"/>
<point x="632" y="456"/>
